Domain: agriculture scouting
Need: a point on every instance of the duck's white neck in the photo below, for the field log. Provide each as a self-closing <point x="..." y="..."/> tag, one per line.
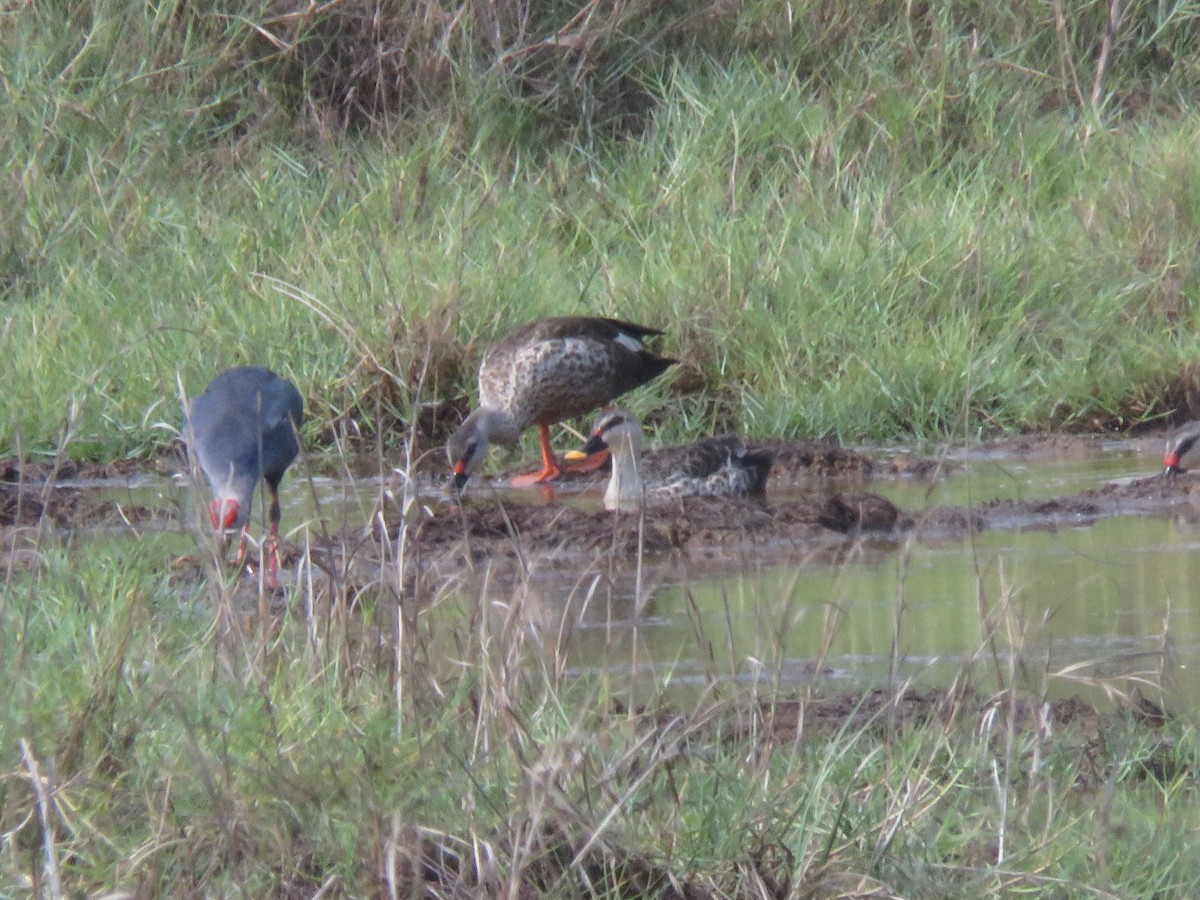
<point x="626" y="489"/>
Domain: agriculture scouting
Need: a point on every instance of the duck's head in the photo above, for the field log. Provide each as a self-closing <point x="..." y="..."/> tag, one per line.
<point x="616" y="430"/>
<point x="467" y="448"/>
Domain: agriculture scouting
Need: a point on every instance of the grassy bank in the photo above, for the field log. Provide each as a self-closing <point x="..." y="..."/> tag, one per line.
<point x="164" y="740"/>
<point x="910" y="222"/>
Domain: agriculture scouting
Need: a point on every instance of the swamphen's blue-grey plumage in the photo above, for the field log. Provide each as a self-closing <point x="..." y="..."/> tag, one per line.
<point x="241" y="430"/>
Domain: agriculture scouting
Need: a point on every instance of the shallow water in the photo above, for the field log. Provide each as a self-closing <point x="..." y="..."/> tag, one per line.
<point x="974" y="479"/>
<point x="1062" y="608"/>
<point x="1065" y="609"/>
<point x="1073" y="607"/>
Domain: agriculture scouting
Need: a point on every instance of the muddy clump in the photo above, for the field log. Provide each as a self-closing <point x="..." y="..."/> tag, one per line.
<point x="66" y="509"/>
<point x="37" y="472"/>
<point x="486" y="528"/>
<point x="494" y="529"/>
<point x="32" y="492"/>
<point x="797" y="460"/>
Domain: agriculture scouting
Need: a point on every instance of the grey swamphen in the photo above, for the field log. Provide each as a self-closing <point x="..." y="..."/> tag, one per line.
<point x="241" y="430"/>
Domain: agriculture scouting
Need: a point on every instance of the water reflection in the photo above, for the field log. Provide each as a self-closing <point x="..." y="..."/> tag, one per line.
<point x="979" y="477"/>
<point x="1061" y="607"/>
<point x="1063" y="610"/>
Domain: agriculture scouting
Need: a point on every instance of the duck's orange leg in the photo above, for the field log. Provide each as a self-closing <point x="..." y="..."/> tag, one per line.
<point x="550" y="469"/>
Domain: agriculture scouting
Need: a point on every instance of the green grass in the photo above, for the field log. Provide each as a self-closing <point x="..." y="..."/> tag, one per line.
<point x="873" y="226"/>
<point x="884" y="221"/>
<point x="187" y="746"/>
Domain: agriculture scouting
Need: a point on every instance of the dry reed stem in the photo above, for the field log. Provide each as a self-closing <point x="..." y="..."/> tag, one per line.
<point x="43" y="790"/>
<point x="1115" y="15"/>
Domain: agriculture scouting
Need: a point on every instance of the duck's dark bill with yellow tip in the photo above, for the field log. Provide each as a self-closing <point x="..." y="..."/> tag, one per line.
<point x="595" y="444"/>
<point x="593" y="456"/>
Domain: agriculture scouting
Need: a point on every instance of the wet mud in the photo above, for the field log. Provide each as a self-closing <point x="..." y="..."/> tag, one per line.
<point x="819" y="498"/>
<point x="27" y="505"/>
<point x="1144" y="496"/>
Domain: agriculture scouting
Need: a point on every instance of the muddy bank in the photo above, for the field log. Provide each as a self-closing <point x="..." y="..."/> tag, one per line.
<point x="818" y="497"/>
<point x="484" y="528"/>
<point x="808" y="505"/>
<point x="65" y="494"/>
<point x="68" y="508"/>
<point x="699" y="526"/>
<point x="1157" y="494"/>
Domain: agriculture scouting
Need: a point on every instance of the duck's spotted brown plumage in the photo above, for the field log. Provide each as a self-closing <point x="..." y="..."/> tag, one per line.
<point x="546" y="372"/>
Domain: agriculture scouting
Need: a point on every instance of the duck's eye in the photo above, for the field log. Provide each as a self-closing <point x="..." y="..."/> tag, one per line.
<point x="612" y="423"/>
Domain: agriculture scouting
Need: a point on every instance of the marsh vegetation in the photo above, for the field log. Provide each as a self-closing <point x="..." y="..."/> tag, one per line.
<point x="886" y="222"/>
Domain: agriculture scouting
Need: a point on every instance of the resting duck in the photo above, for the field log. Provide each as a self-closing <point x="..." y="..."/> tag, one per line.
<point x="713" y="467"/>
<point x="1179" y="446"/>
<point x="240" y="431"/>
<point x="544" y="373"/>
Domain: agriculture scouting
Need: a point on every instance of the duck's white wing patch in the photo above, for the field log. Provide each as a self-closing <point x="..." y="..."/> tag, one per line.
<point x="629" y="342"/>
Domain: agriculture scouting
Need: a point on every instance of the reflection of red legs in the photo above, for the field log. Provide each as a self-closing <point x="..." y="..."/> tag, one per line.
<point x="241" y="557"/>
<point x="550" y="469"/>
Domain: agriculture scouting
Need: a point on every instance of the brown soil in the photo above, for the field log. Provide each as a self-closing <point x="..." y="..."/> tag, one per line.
<point x="27" y="506"/>
<point x="824" y="506"/>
